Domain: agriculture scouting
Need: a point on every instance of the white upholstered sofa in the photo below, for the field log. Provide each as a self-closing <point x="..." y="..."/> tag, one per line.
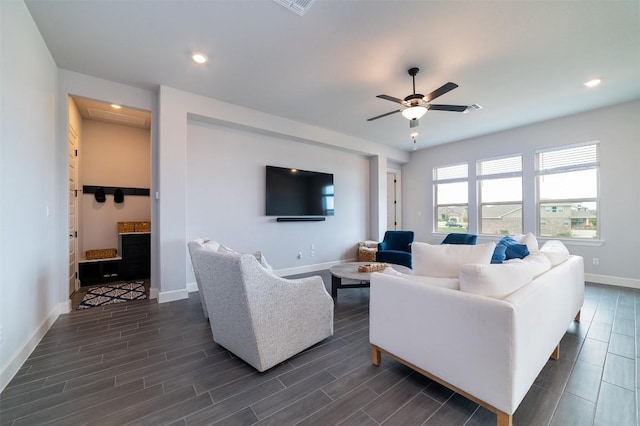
<point x="259" y="317"/>
<point x="486" y="333"/>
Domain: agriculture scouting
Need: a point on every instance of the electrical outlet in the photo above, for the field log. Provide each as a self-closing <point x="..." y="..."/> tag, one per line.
<point x="596" y="261"/>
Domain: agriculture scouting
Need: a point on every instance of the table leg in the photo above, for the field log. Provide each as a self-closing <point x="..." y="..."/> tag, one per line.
<point x="335" y="283"/>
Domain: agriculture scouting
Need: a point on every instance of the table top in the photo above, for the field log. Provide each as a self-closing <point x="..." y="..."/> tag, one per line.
<point x="349" y="270"/>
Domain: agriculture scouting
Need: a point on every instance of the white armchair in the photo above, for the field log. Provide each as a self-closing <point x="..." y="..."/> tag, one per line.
<point x="259" y="317"/>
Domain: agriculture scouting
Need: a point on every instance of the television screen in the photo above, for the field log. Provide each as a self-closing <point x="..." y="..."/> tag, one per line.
<point x="295" y="192"/>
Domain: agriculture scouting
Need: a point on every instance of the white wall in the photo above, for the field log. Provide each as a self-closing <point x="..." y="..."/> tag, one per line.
<point x="113" y="155"/>
<point x="29" y="208"/>
<point x="226" y="196"/>
<point x="618" y="130"/>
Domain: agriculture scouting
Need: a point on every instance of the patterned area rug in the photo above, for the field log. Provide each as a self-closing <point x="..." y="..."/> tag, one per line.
<point x="113" y="293"/>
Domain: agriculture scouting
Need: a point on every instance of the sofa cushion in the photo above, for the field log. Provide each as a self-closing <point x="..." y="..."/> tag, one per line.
<point x="499" y="254"/>
<point x="451" y="283"/>
<point x="497" y="281"/>
<point x="538" y="263"/>
<point x="514" y="250"/>
<point x="445" y="260"/>
<point x="555" y="251"/>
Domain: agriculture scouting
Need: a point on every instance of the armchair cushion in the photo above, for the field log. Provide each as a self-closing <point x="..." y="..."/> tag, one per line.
<point x="397" y="240"/>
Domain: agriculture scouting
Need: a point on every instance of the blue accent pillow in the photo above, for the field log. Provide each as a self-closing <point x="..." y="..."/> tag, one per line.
<point x="514" y="250"/>
<point x="499" y="254"/>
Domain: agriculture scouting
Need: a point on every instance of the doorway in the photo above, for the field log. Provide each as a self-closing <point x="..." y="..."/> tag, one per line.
<point x="394" y="205"/>
<point x="111" y="185"/>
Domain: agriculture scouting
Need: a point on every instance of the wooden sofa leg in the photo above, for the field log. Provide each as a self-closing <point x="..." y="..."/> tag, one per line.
<point x="556" y="352"/>
<point x="577" y="318"/>
<point x="504" y="419"/>
<point x="376" y="357"/>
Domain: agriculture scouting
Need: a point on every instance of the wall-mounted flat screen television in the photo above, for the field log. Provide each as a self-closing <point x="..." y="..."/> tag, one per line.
<point x="295" y="192"/>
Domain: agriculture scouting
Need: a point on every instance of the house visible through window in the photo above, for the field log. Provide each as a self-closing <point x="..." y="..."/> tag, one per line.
<point x="500" y="195"/>
<point x="567" y="191"/>
<point x="451" y="193"/>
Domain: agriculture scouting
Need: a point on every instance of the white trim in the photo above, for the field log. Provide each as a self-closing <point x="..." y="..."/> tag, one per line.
<point x="64" y="307"/>
<point x="192" y="286"/>
<point x="609" y="280"/>
<point x="21" y="355"/>
<point x="170" y="296"/>
<point x="153" y="293"/>
<point x="309" y="268"/>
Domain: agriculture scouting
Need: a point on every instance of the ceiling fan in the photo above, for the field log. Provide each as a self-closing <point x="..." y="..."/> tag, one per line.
<point x="416" y="104"/>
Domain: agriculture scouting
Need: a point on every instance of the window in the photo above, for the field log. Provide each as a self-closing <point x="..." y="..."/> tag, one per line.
<point x="500" y="195"/>
<point x="567" y="191"/>
<point x="451" y="192"/>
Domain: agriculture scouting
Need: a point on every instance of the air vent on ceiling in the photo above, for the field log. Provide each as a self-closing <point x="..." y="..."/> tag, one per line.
<point x="296" y="6"/>
<point x="115" y="117"/>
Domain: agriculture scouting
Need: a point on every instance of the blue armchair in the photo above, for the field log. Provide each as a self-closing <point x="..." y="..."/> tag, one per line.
<point x="459" y="238"/>
<point x="396" y="248"/>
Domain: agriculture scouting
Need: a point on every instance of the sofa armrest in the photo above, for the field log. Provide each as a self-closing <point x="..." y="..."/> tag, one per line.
<point x="462" y="338"/>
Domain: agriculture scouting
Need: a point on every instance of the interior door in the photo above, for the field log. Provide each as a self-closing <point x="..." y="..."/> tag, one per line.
<point x="73" y="208"/>
<point x="393" y="201"/>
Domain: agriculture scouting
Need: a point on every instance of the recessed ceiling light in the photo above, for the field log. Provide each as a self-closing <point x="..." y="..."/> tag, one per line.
<point x="115" y="106"/>
<point x="199" y="58"/>
<point x="593" y="83"/>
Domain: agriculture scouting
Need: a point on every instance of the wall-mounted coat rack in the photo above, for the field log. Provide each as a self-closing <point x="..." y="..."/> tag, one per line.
<point x="108" y="190"/>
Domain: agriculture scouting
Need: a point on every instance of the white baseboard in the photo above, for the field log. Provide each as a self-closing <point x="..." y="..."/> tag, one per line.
<point x="609" y="280"/>
<point x="22" y="354"/>
<point x="153" y="293"/>
<point x="192" y="286"/>
<point x="64" y="307"/>
<point x="170" y="296"/>
<point x="309" y="268"/>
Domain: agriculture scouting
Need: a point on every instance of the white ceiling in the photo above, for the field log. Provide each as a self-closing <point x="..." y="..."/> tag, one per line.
<point x="523" y="61"/>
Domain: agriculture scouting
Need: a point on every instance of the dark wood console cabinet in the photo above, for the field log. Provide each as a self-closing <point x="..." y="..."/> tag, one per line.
<point x="135" y="249"/>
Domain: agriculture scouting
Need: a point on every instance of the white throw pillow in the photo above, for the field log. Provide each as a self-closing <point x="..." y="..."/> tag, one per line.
<point x="530" y="241"/>
<point x="210" y="245"/>
<point x="538" y="263"/>
<point x="555" y="251"/>
<point x="451" y="283"/>
<point x="495" y="280"/>
<point x="224" y="249"/>
<point x="263" y="261"/>
<point x="445" y="260"/>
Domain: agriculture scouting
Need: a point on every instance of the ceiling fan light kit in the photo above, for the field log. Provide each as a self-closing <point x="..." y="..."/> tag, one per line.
<point x="414" y="113"/>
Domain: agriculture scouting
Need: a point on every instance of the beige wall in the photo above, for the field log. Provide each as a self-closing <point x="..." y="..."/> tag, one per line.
<point x="113" y="155"/>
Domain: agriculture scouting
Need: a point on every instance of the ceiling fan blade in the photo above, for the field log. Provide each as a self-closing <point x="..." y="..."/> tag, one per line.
<point x="383" y="115"/>
<point x="413" y="123"/>
<point x="454" y="108"/>
<point x="391" y="98"/>
<point x="440" y="91"/>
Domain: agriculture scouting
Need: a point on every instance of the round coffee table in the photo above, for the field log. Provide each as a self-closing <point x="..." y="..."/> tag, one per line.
<point x="349" y="271"/>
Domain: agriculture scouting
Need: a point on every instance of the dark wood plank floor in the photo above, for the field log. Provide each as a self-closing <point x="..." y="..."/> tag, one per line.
<point x="144" y="363"/>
